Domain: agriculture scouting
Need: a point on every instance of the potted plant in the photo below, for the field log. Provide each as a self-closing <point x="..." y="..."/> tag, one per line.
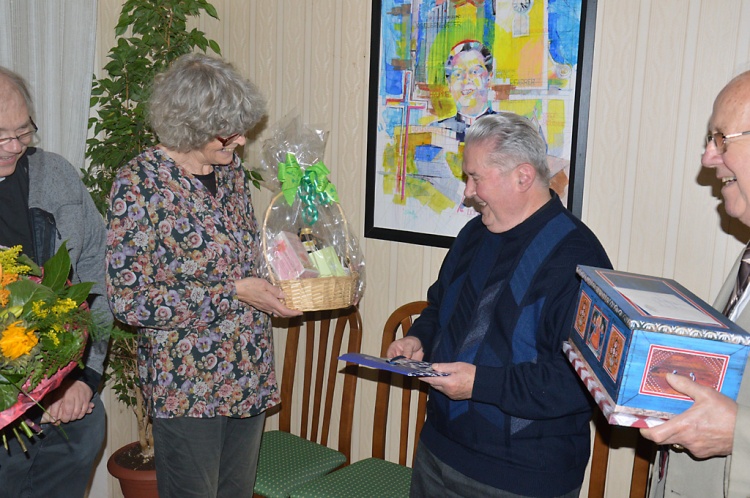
<point x="150" y="35"/>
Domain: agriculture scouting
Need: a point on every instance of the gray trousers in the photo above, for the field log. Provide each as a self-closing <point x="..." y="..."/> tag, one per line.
<point x="57" y="464"/>
<point x="207" y="457"/>
<point x="431" y="477"/>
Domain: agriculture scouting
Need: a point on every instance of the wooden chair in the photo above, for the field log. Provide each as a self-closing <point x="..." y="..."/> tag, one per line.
<point x="375" y="476"/>
<point x="289" y="458"/>
<point x="645" y="452"/>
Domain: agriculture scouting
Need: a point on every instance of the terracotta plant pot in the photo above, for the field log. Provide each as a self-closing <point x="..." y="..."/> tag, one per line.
<point x="134" y="482"/>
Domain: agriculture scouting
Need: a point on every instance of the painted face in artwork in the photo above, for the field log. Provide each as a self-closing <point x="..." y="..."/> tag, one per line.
<point x="469" y="83"/>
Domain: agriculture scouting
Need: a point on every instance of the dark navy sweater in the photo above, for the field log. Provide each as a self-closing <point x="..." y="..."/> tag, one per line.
<point x="505" y="302"/>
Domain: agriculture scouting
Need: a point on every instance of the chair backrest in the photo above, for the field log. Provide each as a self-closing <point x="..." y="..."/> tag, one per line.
<point x="397" y="326"/>
<point x="322" y="346"/>
<point x="644" y="455"/>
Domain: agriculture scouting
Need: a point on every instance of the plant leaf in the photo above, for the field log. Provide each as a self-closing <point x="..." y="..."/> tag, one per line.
<point x="57" y="269"/>
<point x="78" y="292"/>
<point x="8" y="395"/>
<point x="24" y="292"/>
<point x="25" y="260"/>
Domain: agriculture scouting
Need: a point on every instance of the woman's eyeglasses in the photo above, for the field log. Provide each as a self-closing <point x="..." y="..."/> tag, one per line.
<point x="229" y="139"/>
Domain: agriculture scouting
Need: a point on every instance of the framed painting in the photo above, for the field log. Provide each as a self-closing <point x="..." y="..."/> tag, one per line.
<point x="438" y="65"/>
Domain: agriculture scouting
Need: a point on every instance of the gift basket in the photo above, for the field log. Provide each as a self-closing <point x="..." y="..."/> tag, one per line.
<point x="308" y="248"/>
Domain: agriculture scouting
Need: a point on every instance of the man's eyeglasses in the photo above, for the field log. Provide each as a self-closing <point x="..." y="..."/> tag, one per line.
<point x="229" y="139"/>
<point x="720" y="140"/>
<point x="24" y="138"/>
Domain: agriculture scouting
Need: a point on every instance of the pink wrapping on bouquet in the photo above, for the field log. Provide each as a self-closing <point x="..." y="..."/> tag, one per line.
<point x="25" y="401"/>
<point x="44" y="325"/>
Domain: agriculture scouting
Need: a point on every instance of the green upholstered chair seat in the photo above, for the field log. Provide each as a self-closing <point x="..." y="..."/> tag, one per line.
<point x="366" y="478"/>
<point x="287" y="461"/>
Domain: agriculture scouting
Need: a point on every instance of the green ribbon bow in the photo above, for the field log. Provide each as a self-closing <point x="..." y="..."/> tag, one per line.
<point x="290" y="175"/>
<point x="312" y="186"/>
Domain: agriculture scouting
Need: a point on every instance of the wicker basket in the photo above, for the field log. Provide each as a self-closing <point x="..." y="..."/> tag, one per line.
<point x="312" y="294"/>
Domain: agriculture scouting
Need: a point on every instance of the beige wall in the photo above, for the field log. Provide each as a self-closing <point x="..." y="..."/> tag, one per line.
<point x="657" y="67"/>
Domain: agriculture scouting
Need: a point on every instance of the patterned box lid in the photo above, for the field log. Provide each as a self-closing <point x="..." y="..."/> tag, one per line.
<point x="656" y="304"/>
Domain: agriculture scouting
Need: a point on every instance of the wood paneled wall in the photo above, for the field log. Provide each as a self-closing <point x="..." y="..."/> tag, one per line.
<point x="658" y="65"/>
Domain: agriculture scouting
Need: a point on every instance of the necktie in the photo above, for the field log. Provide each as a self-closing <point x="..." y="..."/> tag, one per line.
<point x="741" y="283"/>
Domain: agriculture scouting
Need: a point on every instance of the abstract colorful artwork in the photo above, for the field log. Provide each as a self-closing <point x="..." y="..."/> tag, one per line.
<point x="436" y="67"/>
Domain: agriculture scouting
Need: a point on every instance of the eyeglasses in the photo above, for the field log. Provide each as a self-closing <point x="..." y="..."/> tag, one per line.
<point x="720" y="140"/>
<point x="24" y="138"/>
<point x="229" y="139"/>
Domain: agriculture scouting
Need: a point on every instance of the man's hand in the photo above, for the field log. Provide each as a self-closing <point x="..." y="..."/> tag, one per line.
<point x="705" y="429"/>
<point x="408" y="346"/>
<point x="459" y="384"/>
<point x="71" y="401"/>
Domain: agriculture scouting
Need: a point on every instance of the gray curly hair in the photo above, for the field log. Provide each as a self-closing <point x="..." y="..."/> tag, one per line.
<point x="199" y="98"/>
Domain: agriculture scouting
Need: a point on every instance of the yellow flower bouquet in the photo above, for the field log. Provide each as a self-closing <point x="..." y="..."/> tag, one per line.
<point x="44" y="324"/>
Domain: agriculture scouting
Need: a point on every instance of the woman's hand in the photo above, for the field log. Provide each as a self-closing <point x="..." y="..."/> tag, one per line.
<point x="263" y="296"/>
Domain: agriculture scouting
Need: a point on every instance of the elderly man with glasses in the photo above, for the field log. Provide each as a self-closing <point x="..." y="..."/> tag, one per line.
<point x="710" y="442"/>
<point x="43" y="203"/>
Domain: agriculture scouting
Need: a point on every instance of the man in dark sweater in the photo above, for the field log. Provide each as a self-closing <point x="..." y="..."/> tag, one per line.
<point x="512" y="418"/>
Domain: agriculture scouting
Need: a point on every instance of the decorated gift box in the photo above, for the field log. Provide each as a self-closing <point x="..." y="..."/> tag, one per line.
<point x="631" y="330"/>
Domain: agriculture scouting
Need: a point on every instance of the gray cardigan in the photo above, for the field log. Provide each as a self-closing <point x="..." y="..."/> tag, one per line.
<point x="55" y="187"/>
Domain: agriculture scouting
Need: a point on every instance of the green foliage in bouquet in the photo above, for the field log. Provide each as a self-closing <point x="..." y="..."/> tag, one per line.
<point x="43" y="325"/>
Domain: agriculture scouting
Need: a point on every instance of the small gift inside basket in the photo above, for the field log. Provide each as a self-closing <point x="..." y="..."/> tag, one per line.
<point x="307" y="244"/>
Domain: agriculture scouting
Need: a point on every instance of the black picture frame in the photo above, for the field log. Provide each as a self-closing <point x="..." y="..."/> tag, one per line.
<point x="421" y="235"/>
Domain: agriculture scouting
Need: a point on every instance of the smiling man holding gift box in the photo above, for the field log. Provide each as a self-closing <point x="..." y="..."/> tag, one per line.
<point x="715" y="426"/>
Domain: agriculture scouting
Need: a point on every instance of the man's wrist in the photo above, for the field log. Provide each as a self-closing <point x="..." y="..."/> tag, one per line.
<point x="88" y="376"/>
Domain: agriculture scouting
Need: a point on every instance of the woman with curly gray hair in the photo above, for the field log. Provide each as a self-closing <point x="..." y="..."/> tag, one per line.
<point x="181" y="267"/>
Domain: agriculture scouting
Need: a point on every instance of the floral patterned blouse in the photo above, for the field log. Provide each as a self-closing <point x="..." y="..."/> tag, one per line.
<point x="173" y="254"/>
